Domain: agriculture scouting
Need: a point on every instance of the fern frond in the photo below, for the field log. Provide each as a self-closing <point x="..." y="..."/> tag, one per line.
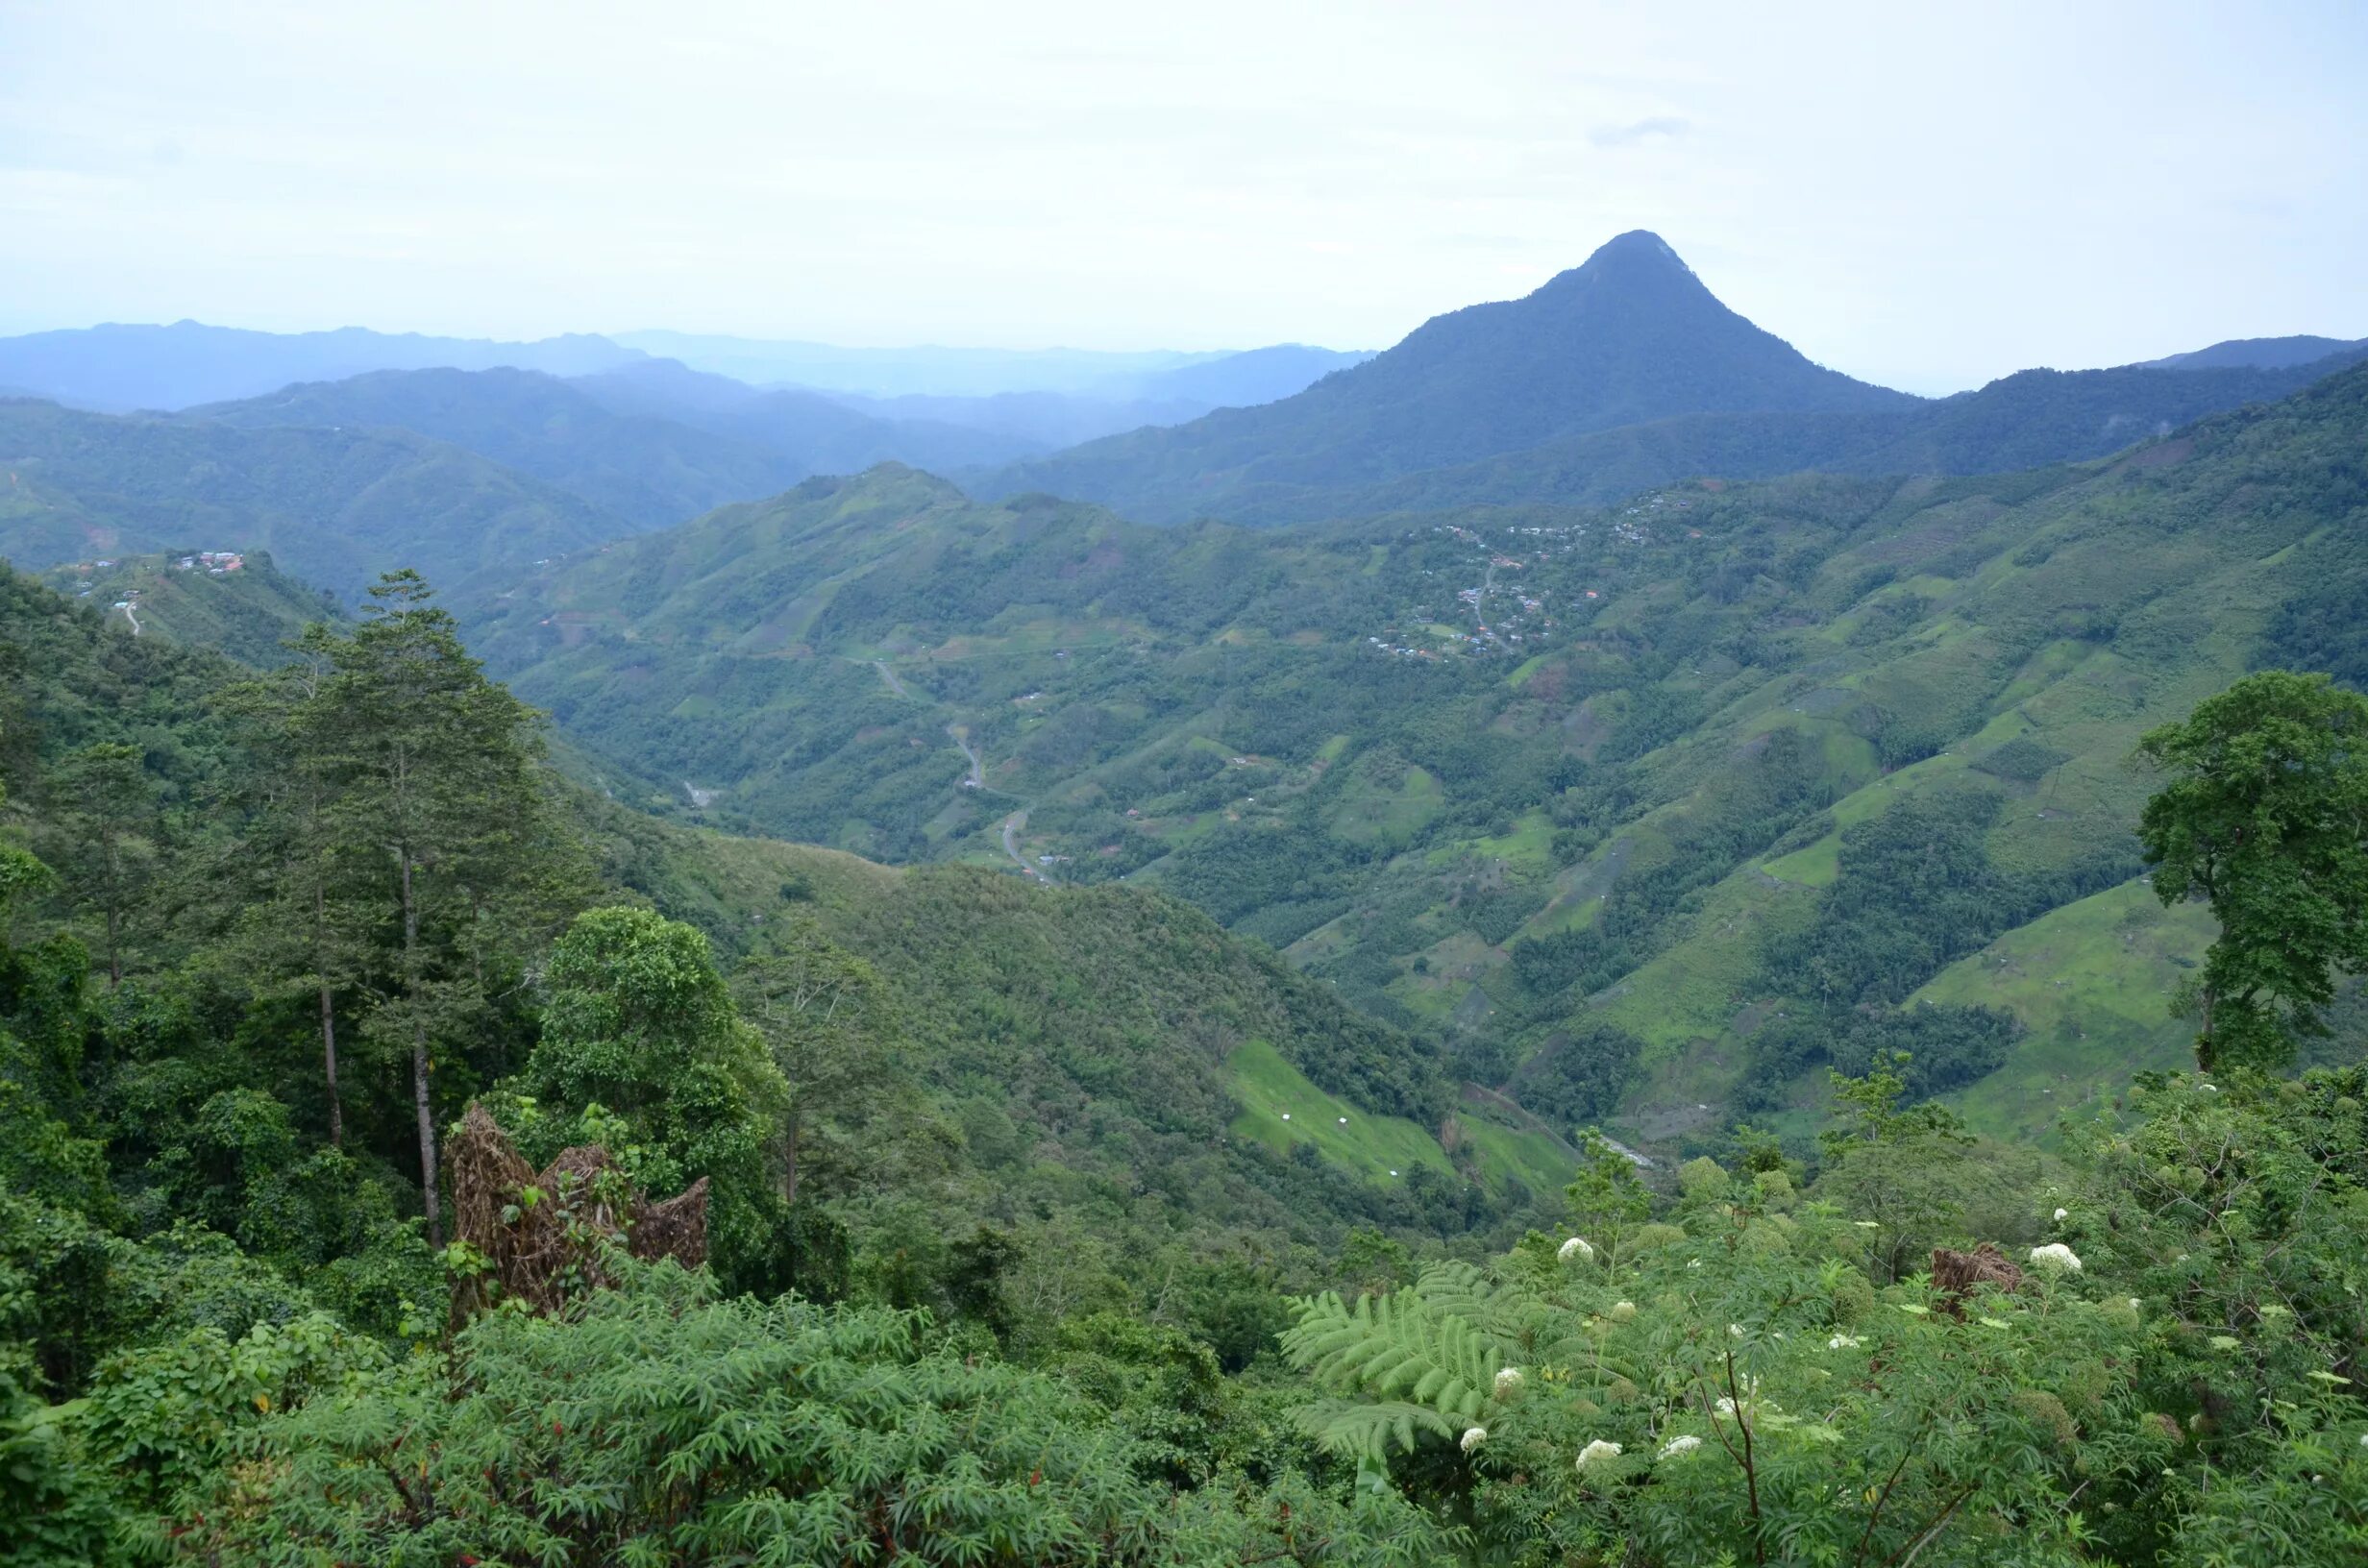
<point x="1361" y="1431"/>
<point x="1399" y="1346"/>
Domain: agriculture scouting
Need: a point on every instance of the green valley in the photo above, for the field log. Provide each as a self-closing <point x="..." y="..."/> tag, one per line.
<point x="1495" y="773"/>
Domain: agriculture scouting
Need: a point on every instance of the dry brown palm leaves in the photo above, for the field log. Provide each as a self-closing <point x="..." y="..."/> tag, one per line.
<point x="548" y="1236"/>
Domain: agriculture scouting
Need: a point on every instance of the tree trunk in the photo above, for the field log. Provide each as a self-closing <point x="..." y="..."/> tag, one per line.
<point x="419" y="1060"/>
<point x="114" y="889"/>
<point x="329" y="1016"/>
<point x="789" y="1164"/>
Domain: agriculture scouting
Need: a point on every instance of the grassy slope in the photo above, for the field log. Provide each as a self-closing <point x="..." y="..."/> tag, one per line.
<point x="2182" y="553"/>
<point x="2090" y="981"/>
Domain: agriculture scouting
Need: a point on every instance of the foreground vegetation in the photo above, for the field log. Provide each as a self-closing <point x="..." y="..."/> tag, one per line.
<point x="1005" y="1250"/>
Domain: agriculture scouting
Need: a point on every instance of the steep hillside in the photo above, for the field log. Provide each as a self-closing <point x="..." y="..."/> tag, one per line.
<point x="1629" y="337"/>
<point x="1589" y="791"/>
<point x="118" y="367"/>
<point x="818" y="663"/>
<point x="1115" y="1047"/>
<point x="1067" y="1049"/>
<point x="333" y="507"/>
<point x="241" y="605"/>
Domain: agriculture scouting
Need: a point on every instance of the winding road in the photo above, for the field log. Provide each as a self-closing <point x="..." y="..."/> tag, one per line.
<point x="1012" y="826"/>
<point x="890" y="677"/>
<point x="978" y="769"/>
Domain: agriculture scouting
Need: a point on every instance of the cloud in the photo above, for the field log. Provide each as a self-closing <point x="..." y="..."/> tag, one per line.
<point x="1639" y="130"/>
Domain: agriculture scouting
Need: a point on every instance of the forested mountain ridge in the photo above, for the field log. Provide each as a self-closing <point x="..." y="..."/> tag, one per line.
<point x="1512" y="775"/>
<point x="2028" y="420"/>
<point x="119" y="367"/>
<point x="638" y="442"/>
<point x="1630" y="336"/>
<point x="1618" y="375"/>
<point x="333" y="507"/>
<point x="2258" y="353"/>
<point x="649" y="471"/>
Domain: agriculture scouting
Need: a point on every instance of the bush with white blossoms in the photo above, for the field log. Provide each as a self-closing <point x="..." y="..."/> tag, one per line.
<point x="1575" y="1250"/>
<point x="1802" y="1401"/>
<point x="1598" y="1451"/>
<point x="1722" y="1363"/>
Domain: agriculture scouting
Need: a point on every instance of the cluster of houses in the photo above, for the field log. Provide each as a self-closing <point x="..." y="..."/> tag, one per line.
<point x="214" y="562"/>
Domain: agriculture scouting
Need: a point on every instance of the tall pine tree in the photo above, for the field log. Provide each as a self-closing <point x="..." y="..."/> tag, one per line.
<point x="429" y="775"/>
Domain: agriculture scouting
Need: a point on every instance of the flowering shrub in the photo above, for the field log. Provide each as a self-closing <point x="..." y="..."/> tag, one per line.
<point x="2172" y="1382"/>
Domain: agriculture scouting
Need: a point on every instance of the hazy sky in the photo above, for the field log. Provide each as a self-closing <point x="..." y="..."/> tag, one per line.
<point x="1922" y="195"/>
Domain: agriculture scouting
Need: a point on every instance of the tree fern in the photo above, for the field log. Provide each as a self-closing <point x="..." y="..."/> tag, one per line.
<point x="1425" y="1359"/>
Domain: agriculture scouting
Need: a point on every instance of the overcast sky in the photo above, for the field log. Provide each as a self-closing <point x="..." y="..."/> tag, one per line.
<point x="1923" y="199"/>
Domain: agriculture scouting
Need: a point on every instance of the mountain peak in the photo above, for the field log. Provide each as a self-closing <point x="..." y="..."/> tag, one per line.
<point x="1638" y="245"/>
<point x="1636" y="259"/>
<point x="1629" y="337"/>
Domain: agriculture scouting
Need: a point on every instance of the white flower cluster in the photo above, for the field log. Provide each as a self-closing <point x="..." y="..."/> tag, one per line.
<point x="1842" y="1342"/>
<point x="2057" y="1256"/>
<point x="1575" y="1247"/>
<point x="1688" y="1443"/>
<point x="1622" y="1310"/>
<point x="1508" y="1380"/>
<point x="1596" y="1450"/>
<point x="1473" y="1437"/>
<point x="2062" y="1214"/>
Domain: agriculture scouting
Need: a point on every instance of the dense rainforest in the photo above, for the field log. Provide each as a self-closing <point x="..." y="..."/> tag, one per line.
<point x="414" y="1157"/>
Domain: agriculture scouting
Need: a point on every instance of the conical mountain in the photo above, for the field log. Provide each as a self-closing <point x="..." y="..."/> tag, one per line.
<point x="1630" y="336"/>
